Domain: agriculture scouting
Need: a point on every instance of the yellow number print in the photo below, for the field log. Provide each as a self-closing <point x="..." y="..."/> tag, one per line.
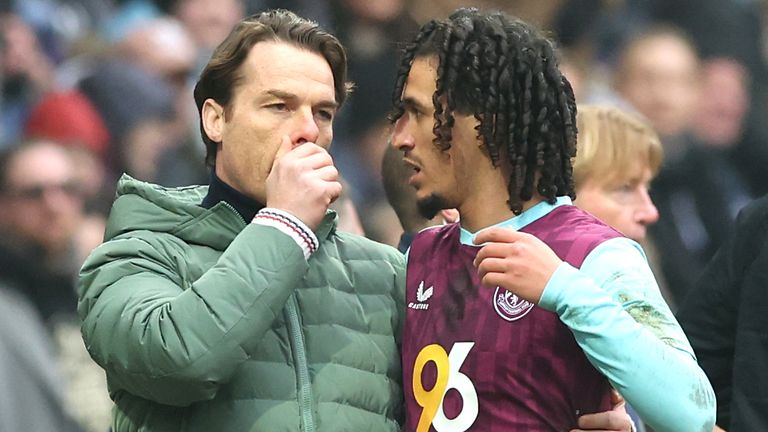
<point x="448" y="377"/>
<point x="430" y="400"/>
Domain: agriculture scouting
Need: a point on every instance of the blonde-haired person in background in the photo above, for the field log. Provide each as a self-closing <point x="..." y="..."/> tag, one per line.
<point x="617" y="156"/>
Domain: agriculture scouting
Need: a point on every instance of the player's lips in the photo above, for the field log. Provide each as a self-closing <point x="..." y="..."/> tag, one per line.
<point x="412" y="164"/>
<point x="416" y="169"/>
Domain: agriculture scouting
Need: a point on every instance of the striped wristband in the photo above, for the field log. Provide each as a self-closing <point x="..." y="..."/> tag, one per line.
<point x="290" y="225"/>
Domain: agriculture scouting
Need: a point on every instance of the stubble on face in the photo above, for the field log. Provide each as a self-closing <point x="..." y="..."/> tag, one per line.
<point x="430" y="206"/>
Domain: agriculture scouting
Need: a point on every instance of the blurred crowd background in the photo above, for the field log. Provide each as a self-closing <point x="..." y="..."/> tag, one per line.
<point x="94" y="88"/>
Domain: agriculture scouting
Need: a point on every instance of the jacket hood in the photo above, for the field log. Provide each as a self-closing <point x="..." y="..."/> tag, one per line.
<point x="142" y="206"/>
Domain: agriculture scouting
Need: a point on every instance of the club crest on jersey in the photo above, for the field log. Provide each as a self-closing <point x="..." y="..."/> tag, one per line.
<point x="509" y="306"/>
<point x="422" y="295"/>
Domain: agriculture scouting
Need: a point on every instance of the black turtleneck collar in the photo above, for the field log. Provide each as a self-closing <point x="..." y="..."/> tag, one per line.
<point x="220" y="191"/>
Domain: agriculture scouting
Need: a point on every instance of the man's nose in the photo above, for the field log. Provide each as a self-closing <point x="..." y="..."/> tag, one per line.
<point x="306" y="129"/>
<point x="402" y="138"/>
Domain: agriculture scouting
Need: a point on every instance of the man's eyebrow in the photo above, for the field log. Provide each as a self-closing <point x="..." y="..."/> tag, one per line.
<point x="288" y="96"/>
<point x="327" y="104"/>
<point x="281" y="94"/>
<point x="410" y="102"/>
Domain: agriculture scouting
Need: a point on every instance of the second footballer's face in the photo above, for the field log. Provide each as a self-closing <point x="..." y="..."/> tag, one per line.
<point x="442" y="179"/>
<point x="284" y="91"/>
<point x="622" y="203"/>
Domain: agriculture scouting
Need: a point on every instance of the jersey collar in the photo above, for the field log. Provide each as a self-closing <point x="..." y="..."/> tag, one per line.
<point x="518" y="222"/>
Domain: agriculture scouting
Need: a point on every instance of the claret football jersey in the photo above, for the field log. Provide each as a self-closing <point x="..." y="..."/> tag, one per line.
<point x="482" y="359"/>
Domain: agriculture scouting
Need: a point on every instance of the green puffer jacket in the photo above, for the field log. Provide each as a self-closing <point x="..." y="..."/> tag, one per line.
<point x="205" y="323"/>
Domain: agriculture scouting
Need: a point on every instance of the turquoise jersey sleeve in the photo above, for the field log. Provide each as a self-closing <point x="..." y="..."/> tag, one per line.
<point x="613" y="306"/>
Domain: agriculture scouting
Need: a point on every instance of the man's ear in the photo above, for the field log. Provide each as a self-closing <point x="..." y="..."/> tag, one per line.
<point x="213" y="120"/>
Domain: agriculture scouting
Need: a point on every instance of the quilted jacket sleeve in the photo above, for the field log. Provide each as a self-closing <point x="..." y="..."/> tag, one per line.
<point x="176" y="344"/>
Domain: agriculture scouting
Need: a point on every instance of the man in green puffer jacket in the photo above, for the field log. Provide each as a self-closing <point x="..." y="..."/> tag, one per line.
<point x="238" y="306"/>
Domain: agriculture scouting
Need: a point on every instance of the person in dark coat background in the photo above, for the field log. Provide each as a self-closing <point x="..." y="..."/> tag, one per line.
<point x="724" y="317"/>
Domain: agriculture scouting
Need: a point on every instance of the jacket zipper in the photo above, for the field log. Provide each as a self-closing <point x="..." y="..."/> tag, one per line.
<point x="239" y="216"/>
<point x="302" y="370"/>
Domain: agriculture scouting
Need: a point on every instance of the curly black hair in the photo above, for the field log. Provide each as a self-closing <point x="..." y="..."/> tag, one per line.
<point x="505" y="73"/>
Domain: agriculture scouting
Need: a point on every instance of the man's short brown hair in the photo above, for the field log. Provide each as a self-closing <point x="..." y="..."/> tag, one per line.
<point x="222" y="73"/>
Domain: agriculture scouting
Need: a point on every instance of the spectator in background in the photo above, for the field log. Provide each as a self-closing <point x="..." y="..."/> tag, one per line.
<point x="617" y="157"/>
<point x="724" y="316"/>
<point x="371" y="31"/>
<point x="165" y="49"/>
<point x="658" y="74"/>
<point x="41" y="212"/>
<point x="70" y="119"/>
<point x="738" y="30"/>
<point x="696" y="190"/>
<point x="139" y="111"/>
<point x="719" y="120"/>
<point x="125" y="16"/>
<point x="729" y="123"/>
<point x="44" y="238"/>
<point x="32" y="394"/>
<point x="208" y="21"/>
<point x="26" y="73"/>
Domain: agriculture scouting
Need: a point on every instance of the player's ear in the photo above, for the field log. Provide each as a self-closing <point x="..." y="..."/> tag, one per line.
<point x="212" y="116"/>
